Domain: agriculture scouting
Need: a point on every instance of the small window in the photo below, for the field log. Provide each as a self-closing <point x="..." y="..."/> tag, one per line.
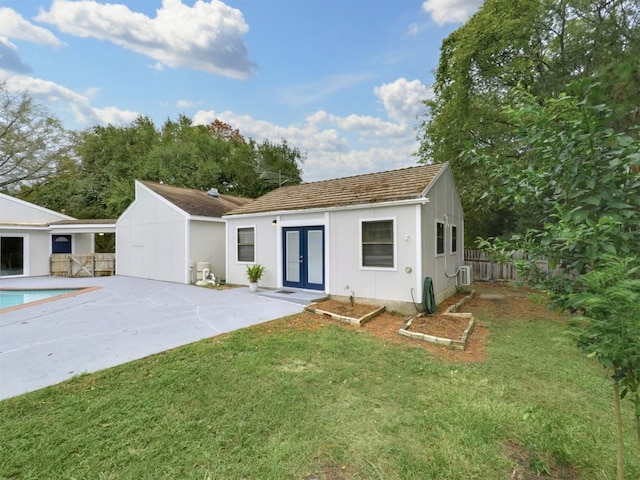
<point x="454" y="239"/>
<point x="439" y="238"/>
<point x="377" y="244"/>
<point x="246" y="244"/>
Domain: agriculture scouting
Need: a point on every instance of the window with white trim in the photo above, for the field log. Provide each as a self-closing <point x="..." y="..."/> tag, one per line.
<point x="439" y="237"/>
<point x="378" y="246"/>
<point x="454" y="238"/>
<point x="246" y="244"/>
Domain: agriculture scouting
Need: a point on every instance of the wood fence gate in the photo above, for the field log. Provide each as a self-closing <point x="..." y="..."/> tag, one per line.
<point x="84" y="265"/>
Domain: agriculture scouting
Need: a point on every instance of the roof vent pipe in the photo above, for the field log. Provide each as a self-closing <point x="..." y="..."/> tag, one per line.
<point x="213" y="192"/>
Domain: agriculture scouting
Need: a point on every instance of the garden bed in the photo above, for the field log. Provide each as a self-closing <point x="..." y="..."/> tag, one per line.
<point x="355" y="314"/>
<point x="450" y="328"/>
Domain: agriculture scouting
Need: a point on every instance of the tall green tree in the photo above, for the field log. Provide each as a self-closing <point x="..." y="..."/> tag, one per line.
<point x="186" y="156"/>
<point x="33" y="143"/>
<point x="110" y="158"/>
<point x="179" y="153"/>
<point x="574" y="170"/>
<point x="540" y="46"/>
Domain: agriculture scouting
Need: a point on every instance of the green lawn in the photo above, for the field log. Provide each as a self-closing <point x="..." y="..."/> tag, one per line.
<point x="271" y="403"/>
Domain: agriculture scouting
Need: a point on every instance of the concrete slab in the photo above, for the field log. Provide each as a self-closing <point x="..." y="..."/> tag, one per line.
<point x="125" y="319"/>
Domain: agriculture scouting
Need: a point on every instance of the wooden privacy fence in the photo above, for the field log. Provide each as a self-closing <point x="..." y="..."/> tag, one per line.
<point x="483" y="269"/>
<point x="85" y="265"/>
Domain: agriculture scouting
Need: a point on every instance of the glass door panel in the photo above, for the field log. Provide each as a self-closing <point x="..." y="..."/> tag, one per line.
<point x="292" y="256"/>
<point x="11" y="256"/>
<point x="315" y="263"/>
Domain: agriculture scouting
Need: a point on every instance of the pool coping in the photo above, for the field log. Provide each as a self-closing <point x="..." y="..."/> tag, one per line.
<point x="78" y="291"/>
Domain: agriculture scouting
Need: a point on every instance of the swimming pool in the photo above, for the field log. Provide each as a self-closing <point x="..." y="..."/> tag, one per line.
<point x="12" y="298"/>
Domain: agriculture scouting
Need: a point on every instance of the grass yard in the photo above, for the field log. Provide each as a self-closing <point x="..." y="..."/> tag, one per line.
<point x="306" y="398"/>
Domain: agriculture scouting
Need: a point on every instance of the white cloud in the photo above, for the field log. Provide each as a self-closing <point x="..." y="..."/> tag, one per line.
<point x="13" y="25"/>
<point x="402" y="99"/>
<point x="58" y="96"/>
<point x="363" y="124"/>
<point x="10" y="59"/>
<point x="206" y="36"/>
<point x="334" y="145"/>
<point x="351" y="145"/>
<point x="115" y="116"/>
<point x="451" y="11"/>
<point x="188" y="103"/>
<point x="413" y="29"/>
<point x="299" y="95"/>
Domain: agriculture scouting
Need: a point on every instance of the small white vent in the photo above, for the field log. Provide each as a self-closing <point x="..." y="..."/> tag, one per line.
<point x="464" y="275"/>
<point x="213" y="192"/>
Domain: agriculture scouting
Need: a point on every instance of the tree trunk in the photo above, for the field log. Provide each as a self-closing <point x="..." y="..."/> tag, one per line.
<point x="636" y="404"/>
<point x="619" y="442"/>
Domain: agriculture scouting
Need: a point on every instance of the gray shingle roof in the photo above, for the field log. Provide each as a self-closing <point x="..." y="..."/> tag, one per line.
<point x="392" y="185"/>
<point x="197" y="202"/>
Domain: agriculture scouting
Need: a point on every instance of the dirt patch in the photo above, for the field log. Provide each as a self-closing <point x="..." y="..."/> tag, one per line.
<point x="345" y="309"/>
<point x="440" y="326"/>
<point x="505" y="302"/>
<point x="528" y="466"/>
<point x="387" y="324"/>
<point x="491" y="302"/>
<point x="332" y="472"/>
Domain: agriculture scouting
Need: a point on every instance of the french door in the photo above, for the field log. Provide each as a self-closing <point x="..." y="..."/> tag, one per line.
<point x="303" y="257"/>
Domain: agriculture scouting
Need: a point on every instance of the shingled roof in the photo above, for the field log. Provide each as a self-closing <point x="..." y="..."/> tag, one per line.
<point x="197" y="202"/>
<point x="392" y="185"/>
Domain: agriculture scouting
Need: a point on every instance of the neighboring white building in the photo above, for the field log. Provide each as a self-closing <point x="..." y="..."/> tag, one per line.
<point x="167" y="231"/>
<point x="374" y="236"/>
<point x="29" y="234"/>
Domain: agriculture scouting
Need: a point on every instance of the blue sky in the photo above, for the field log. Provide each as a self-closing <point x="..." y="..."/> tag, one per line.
<point x="342" y="80"/>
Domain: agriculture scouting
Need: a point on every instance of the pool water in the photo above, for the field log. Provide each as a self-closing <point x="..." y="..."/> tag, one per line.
<point x="11" y="298"/>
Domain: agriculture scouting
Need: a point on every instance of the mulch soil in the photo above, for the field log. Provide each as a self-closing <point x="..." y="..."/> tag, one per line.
<point x="490" y="301"/>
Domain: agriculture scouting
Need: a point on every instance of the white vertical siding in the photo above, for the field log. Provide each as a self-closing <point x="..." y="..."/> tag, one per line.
<point x="444" y="205"/>
<point x="266" y="250"/>
<point x="13" y="210"/>
<point x="38" y="246"/>
<point x="345" y="270"/>
<point x="82" y="243"/>
<point x="151" y="240"/>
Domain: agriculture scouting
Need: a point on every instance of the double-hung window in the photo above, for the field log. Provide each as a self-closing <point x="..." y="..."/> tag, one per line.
<point x="377" y="243"/>
<point x="246" y="244"/>
<point x="439" y="237"/>
<point x="454" y="239"/>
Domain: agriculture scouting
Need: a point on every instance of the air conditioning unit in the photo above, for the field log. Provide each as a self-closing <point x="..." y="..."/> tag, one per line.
<point x="464" y="275"/>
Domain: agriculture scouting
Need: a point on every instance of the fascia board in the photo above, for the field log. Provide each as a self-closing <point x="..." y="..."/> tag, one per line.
<point x="360" y="206"/>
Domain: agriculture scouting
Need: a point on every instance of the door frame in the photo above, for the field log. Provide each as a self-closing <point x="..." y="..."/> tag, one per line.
<point x="303" y="246"/>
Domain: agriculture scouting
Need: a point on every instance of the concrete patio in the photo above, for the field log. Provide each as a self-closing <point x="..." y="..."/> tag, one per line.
<point x="124" y="319"/>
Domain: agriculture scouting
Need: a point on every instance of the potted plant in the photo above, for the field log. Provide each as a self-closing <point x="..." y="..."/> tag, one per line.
<point x="254" y="273"/>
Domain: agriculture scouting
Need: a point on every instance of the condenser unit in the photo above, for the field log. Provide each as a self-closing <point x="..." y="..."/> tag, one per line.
<point x="464" y="275"/>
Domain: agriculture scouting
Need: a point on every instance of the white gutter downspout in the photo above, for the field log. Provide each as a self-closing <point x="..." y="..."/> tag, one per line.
<point x="418" y="271"/>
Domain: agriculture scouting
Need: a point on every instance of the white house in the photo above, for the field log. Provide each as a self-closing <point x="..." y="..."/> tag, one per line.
<point x="374" y="236"/>
<point x="29" y="234"/>
<point x="167" y="231"/>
